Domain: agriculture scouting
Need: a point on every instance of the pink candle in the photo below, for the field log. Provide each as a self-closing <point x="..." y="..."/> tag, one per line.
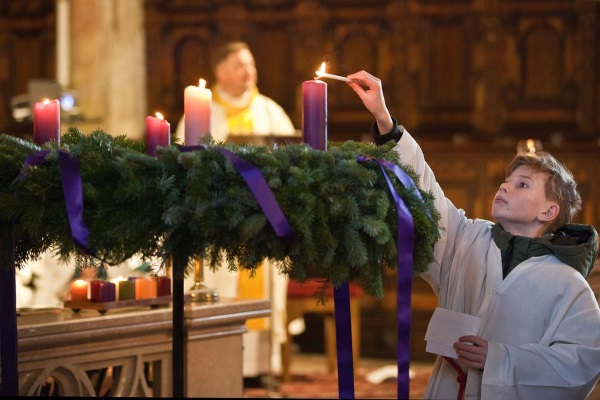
<point x="314" y="114"/>
<point x="79" y="290"/>
<point x="163" y="286"/>
<point x="46" y="121"/>
<point x="197" y="104"/>
<point x="158" y="133"/>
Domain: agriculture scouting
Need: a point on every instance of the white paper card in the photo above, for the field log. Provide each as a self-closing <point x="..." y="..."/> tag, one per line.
<point x="445" y="327"/>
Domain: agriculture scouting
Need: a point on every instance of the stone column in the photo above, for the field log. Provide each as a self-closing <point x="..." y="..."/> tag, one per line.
<point x="108" y="64"/>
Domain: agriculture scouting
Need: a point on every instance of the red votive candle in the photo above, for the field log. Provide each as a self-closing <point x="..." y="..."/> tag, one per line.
<point x="163" y="286"/>
<point x="95" y="290"/>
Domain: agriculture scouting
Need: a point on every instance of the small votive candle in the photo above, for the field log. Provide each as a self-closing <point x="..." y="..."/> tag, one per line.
<point x="145" y="288"/>
<point x="125" y="290"/>
<point x="79" y="290"/>
<point x="95" y="290"/>
<point x="132" y="279"/>
<point x="163" y="286"/>
<point x="107" y="292"/>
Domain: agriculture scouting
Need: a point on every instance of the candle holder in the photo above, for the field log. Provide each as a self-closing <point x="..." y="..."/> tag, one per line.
<point x="199" y="292"/>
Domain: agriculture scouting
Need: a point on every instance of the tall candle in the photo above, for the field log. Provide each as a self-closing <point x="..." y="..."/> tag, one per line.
<point x="79" y="290"/>
<point x="158" y="133"/>
<point x="46" y="121"/>
<point x="197" y="104"/>
<point x="314" y="114"/>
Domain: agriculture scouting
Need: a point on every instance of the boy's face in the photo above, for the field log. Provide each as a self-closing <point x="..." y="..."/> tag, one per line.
<point x="520" y="205"/>
<point x="237" y="73"/>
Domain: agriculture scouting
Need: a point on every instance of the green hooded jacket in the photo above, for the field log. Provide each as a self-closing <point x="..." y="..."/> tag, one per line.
<point x="575" y="245"/>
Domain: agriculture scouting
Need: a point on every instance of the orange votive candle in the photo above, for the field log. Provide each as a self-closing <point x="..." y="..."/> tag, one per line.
<point x="145" y="288"/>
<point x="79" y="290"/>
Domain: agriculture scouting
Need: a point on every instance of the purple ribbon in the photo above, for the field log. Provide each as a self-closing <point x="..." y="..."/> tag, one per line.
<point x="405" y="262"/>
<point x="261" y="191"/>
<point x="72" y="191"/>
<point x="73" y="194"/>
<point x="343" y="336"/>
<point x="8" y="333"/>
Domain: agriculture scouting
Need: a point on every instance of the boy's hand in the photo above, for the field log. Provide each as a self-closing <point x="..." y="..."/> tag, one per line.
<point x="372" y="98"/>
<point x="472" y="350"/>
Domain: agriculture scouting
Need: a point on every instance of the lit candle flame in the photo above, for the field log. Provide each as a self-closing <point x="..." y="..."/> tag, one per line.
<point x="202" y="83"/>
<point x="80" y="283"/>
<point x="321" y="70"/>
<point x="159" y="115"/>
<point x="531" y="145"/>
<point x="322" y="74"/>
<point x="46" y="101"/>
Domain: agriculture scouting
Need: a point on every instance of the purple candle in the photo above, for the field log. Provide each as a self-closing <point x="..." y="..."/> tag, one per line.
<point x="314" y="114"/>
<point x="108" y="292"/>
<point x="158" y="133"/>
<point x="46" y="121"/>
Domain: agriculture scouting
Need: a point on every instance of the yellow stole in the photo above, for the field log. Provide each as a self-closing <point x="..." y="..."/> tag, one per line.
<point x="239" y="119"/>
<point x="253" y="288"/>
<point x="239" y="122"/>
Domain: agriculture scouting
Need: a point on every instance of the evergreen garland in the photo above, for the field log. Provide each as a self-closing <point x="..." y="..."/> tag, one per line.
<point x="195" y="203"/>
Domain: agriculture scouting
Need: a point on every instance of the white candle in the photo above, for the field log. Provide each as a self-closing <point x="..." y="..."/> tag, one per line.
<point x="197" y="108"/>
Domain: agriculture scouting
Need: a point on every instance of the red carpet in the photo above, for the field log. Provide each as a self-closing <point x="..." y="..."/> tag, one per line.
<point x="325" y="386"/>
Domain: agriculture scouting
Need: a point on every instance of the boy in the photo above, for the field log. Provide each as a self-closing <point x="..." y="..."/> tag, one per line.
<point x="524" y="276"/>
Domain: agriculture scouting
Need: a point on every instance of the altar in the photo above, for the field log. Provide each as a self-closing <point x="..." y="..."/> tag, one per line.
<point x="64" y="353"/>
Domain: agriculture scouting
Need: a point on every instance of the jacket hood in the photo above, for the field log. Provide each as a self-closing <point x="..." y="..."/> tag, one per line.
<point x="575" y="245"/>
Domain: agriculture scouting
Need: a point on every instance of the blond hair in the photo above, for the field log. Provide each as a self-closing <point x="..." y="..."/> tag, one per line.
<point x="224" y="51"/>
<point x="560" y="186"/>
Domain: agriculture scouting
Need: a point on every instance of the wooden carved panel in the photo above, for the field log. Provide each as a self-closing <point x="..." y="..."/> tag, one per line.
<point x="27" y="51"/>
<point x="542" y="90"/>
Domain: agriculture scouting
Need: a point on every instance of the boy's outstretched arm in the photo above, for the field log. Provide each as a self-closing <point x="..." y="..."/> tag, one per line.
<point x="372" y="98"/>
